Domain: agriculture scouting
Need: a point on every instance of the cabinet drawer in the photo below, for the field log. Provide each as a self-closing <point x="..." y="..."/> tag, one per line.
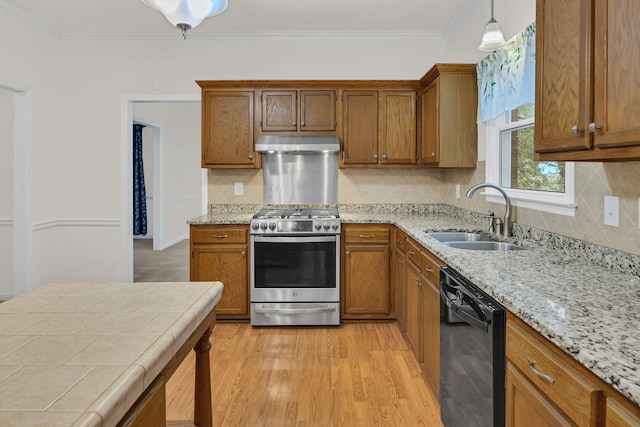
<point x="413" y="251"/>
<point x="577" y="396"/>
<point x="366" y="234"/>
<point x="401" y="240"/>
<point x="209" y="234"/>
<point x="430" y="267"/>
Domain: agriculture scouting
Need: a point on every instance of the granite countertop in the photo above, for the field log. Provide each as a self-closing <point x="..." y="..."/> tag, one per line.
<point x="588" y="310"/>
<point x="82" y="353"/>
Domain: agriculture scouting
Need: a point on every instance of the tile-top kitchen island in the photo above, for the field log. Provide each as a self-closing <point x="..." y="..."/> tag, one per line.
<point x="98" y="354"/>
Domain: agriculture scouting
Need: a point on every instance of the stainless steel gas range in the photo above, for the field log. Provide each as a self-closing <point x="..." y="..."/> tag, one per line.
<point x="295" y="267"/>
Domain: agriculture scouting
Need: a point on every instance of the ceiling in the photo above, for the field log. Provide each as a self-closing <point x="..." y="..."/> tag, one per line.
<point x="247" y="18"/>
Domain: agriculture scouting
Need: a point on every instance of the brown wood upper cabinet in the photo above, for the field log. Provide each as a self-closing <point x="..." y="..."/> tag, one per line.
<point x="378" y="128"/>
<point x="587" y="95"/>
<point x="228" y="129"/>
<point x="448" y="134"/>
<point x="298" y="111"/>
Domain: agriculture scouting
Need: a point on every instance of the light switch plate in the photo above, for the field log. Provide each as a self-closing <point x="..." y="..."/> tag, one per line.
<point x="238" y="189"/>
<point x="457" y="191"/>
<point x="612" y="211"/>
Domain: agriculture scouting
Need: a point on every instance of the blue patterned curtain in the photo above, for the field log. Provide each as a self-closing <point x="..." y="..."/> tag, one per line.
<point x="507" y="77"/>
<point x="139" y="192"/>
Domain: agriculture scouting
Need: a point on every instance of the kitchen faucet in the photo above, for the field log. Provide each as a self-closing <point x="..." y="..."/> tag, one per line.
<point x="506" y="221"/>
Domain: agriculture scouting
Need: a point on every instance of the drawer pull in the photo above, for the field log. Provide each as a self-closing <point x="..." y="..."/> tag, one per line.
<point x="367" y="236"/>
<point x="428" y="269"/>
<point x="411" y="252"/>
<point x="545" y="377"/>
<point x="220" y="236"/>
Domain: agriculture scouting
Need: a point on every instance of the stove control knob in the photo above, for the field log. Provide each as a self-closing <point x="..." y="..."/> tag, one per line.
<point x="325" y="225"/>
<point x="263" y="226"/>
<point x="318" y="226"/>
<point x="335" y="225"/>
<point x="272" y="226"/>
<point x="255" y="226"/>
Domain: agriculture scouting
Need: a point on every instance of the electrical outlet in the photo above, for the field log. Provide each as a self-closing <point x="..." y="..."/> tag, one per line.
<point x="457" y="191"/>
<point x="612" y="211"/>
<point x="238" y="189"/>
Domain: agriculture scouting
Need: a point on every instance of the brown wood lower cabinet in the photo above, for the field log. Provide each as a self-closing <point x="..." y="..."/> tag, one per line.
<point x="221" y="253"/>
<point x="366" y="279"/>
<point x="422" y="309"/>
<point x="546" y="384"/>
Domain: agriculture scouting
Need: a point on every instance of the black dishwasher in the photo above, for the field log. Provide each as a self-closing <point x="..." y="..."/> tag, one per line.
<point x="472" y="354"/>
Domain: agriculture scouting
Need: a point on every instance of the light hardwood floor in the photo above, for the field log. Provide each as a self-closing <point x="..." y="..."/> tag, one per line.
<point x="358" y="374"/>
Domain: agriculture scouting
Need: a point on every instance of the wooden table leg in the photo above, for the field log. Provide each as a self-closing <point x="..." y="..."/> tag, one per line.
<point x="203" y="416"/>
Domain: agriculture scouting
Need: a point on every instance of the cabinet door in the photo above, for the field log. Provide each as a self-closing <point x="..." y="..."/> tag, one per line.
<point x="412" y="308"/>
<point x="619" y="416"/>
<point x="227" y="264"/>
<point x="279" y="110"/>
<point x="400" y="287"/>
<point x="398" y="128"/>
<point x="360" y="127"/>
<point x="617" y="60"/>
<point x="431" y="334"/>
<point x="429" y="148"/>
<point x="317" y="110"/>
<point x="227" y="129"/>
<point x="366" y="284"/>
<point x="526" y="406"/>
<point x="564" y="80"/>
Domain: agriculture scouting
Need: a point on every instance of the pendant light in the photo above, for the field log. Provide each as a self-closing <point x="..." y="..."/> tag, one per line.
<point x="492" y="38"/>
<point x="187" y="14"/>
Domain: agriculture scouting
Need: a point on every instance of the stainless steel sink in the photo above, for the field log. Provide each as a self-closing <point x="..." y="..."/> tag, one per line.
<point x="484" y="246"/>
<point x="459" y="236"/>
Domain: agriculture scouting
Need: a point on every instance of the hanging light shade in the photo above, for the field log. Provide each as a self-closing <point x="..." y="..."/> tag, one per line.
<point x="492" y="38"/>
<point x="187" y="14"/>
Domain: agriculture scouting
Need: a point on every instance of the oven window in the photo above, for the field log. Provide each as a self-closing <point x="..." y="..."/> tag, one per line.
<point x="295" y="264"/>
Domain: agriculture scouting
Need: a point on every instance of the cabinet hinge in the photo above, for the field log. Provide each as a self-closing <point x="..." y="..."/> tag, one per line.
<point x="192" y="254"/>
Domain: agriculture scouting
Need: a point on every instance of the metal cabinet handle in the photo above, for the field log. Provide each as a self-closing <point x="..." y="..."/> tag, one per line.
<point x="433" y="154"/>
<point x="411" y="252"/>
<point x="575" y="130"/>
<point x="367" y="236"/>
<point x="243" y="253"/>
<point x="348" y="253"/>
<point x="250" y="156"/>
<point x="428" y="269"/>
<point x="293" y="124"/>
<point x="384" y="157"/>
<point x="302" y="124"/>
<point x="375" y="156"/>
<point x="221" y="236"/>
<point x="545" y="377"/>
<point x="593" y="127"/>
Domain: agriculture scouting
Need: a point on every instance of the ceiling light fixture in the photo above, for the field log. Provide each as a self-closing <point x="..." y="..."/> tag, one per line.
<point x="187" y="14"/>
<point x="492" y="38"/>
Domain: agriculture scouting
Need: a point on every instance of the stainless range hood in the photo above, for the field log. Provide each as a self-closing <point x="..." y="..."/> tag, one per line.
<point x="299" y="169"/>
<point x="297" y="144"/>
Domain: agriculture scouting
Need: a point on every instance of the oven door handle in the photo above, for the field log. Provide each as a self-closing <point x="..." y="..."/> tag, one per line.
<point x="326" y="309"/>
<point x="294" y="239"/>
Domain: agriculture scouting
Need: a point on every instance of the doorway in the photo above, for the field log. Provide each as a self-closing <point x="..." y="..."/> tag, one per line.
<point x="15" y="190"/>
<point x="178" y="186"/>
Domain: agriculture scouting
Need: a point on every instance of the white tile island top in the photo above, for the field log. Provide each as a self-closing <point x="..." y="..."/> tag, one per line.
<point x="81" y="354"/>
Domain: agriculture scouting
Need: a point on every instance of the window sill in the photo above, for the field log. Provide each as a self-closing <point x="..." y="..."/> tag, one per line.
<point x="551" y="206"/>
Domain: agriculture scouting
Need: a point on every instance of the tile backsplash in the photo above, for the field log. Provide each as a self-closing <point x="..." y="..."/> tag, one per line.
<point x="381" y="186"/>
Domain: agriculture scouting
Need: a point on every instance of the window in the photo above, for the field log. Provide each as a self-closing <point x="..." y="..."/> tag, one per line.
<point x="546" y="186"/>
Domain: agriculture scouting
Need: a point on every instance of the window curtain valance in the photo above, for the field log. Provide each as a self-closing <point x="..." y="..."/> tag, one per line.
<point x="506" y="77"/>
